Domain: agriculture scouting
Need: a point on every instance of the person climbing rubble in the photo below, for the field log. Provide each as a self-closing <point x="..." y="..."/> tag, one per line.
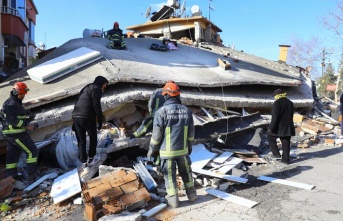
<point x="155" y="102"/>
<point x="87" y="111"/>
<point x="116" y="37"/>
<point x="173" y="131"/>
<point x="17" y="124"/>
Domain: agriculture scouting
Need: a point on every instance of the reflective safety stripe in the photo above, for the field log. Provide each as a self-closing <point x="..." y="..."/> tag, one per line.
<point x="157" y="103"/>
<point x="11" y="165"/>
<point x="185" y="135"/>
<point x="20" y="123"/>
<point x="29" y="153"/>
<point x="175" y="153"/>
<point x="190" y="178"/>
<point x="167" y="137"/>
<point x="154" y="142"/>
<point x="13" y="131"/>
<point x="145" y="128"/>
<point x="171" y="189"/>
<point x="32" y="160"/>
<point x="191" y="139"/>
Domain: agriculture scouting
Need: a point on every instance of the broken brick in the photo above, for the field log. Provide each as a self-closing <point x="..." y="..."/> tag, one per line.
<point x="114" y="192"/>
<point x="130" y="187"/>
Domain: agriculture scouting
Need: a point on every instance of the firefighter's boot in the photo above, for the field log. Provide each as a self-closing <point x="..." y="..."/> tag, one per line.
<point x="173" y="201"/>
<point x="191" y="194"/>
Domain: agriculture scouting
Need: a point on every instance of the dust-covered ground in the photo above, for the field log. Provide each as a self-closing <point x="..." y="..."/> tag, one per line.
<point x="319" y="166"/>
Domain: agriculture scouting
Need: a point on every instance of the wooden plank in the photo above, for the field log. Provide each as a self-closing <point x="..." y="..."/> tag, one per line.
<point x="154" y="210"/>
<point x="65" y="186"/>
<point x="241" y="151"/>
<point x="317" y="125"/>
<point x="213" y="174"/>
<point x="286" y="182"/>
<point x="232" y="198"/>
<point x="201" y="156"/>
<point x="223" y="157"/>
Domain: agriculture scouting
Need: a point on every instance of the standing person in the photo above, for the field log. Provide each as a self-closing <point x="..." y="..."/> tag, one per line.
<point x="16" y="125"/>
<point x="86" y="111"/>
<point x="116" y="37"/>
<point x="173" y="131"/>
<point x="155" y="102"/>
<point x="281" y="125"/>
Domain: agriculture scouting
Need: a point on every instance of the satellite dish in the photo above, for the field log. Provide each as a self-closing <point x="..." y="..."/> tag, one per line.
<point x="183" y="8"/>
<point x="147" y="13"/>
<point x="195" y="10"/>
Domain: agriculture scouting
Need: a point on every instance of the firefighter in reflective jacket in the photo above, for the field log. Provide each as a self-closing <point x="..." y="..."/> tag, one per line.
<point x="16" y="125"/>
<point x="116" y="37"/>
<point x="155" y="102"/>
<point x="173" y="131"/>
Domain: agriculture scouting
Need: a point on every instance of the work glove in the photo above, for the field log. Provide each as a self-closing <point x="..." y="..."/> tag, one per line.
<point x="99" y="125"/>
<point x="31" y="116"/>
<point x="152" y="154"/>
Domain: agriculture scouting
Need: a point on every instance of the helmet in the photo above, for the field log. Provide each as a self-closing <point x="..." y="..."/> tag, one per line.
<point x="20" y="88"/>
<point x="171" y="88"/>
<point x="116" y="24"/>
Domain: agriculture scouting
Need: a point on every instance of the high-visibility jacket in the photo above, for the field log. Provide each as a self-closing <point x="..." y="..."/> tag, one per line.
<point x="173" y="129"/>
<point x="115" y="35"/>
<point x="16" y="117"/>
<point x="156" y="101"/>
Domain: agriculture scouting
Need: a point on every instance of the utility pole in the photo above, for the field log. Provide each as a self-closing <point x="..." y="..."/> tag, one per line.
<point x="324" y="53"/>
<point x="209" y="9"/>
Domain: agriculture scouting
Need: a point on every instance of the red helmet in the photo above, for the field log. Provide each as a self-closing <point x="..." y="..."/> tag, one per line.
<point x="20" y="88"/>
<point x="171" y="88"/>
<point x="116" y="24"/>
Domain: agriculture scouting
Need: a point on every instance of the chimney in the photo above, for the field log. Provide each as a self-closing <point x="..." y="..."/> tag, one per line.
<point x="283" y="53"/>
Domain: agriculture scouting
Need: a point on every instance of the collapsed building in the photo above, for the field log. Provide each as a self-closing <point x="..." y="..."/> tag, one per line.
<point x="133" y="74"/>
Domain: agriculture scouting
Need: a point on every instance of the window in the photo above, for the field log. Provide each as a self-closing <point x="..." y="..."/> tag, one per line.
<point x="31" y="32"/>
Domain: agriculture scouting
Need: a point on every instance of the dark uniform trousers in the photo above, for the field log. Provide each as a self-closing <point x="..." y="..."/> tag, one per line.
<point x="15" y="146"/>
<point x="81" y="127"/>
<point x="168" y="168"/>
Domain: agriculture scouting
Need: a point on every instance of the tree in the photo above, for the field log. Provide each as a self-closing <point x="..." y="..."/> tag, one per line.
<point x="328" y="78"/>
<point x="304" y="53"/>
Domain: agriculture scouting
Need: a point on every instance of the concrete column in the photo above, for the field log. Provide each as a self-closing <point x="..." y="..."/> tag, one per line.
<point x="197" y="31"/>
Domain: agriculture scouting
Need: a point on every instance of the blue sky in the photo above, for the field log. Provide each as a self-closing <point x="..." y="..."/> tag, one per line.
<point x="257" y="27"/>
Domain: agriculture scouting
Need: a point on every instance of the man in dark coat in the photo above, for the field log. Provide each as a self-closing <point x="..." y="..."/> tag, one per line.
<point x="87" y="111"/>
<point x="281" y="125"/>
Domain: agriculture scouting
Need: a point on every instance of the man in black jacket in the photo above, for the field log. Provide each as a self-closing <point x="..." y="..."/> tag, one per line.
<point x="16" y="124"/>
<point x="116" y="37"/>
<point x="86" y="111"/>
<point x="281" y="125"/>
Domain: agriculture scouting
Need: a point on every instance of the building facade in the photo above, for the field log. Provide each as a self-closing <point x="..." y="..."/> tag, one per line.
<point x="17" y="40"/>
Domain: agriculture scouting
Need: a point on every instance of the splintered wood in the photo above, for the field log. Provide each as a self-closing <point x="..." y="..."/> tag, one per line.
<point x="113" y="193"/>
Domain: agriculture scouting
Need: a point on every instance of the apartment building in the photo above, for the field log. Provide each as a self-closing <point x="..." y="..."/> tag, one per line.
<point x="17" y="40"/>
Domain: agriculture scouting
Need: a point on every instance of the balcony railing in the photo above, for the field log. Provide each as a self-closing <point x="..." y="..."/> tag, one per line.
<point x="12" y="11"/>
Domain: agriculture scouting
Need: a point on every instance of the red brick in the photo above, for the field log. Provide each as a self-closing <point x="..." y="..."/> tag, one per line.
<point x="114" y="192"/>
<point x="103" y="187"/>
<point x="117" y="182"/>
<point x="94" y="182"/>
<point x="130" y="176"/>
<point x="130" y="187"/>
<point x="118" y="173"/>
<point x="128" y="199"/>
<point x="107" y="178"/>
<point x="142" y="194"/>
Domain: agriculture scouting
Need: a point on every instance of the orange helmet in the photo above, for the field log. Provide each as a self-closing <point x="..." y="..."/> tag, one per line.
<point x="20" y="88"/>
<point x="116" y="24"/>
<point x="171" y="88"/>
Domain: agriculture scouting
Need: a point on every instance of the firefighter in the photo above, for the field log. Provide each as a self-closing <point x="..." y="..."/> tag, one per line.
<point x="16" y="127"/>
<point x="116" y="37"/>
<point x="173" y="131"/>
<point x="155" y="102"/>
